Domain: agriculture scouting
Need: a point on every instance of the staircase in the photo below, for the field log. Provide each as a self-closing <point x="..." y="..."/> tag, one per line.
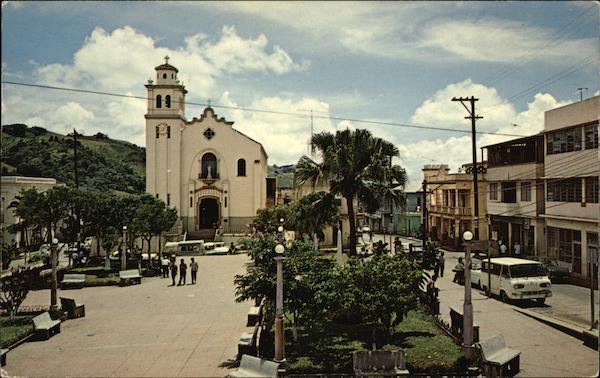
<point x="206" y="234"/>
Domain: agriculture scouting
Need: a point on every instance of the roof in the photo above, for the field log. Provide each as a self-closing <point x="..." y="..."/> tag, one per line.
<point x="512" y="261"/>
<point x="518" y="140"/>
<point x="166" y="66"/>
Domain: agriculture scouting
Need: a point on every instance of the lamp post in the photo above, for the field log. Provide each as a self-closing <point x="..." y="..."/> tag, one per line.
<point x="54" y="287"/>
<point x="279" y="330"/>
<point x="124" y="250"/>
<point x="467" y="346"/>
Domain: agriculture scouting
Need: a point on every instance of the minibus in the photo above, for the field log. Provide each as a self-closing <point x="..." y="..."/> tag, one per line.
<point x="516" y="279"/>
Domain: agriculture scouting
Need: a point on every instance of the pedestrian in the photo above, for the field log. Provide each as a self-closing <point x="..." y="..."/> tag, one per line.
<point x="436" y="267"/>
<point x="75" y="259"/>
<point x="459" y="270"/>
<point x="164" y="263"/>
<point x="502" y="248"/>
<point x="432" y="291"/>
<point x="194" y="269"/>
<point x="517" y="249"/>
<point x="397" y="245"/>
<point x="231" y="250"/>
<point x="182" y="272"/>
<point x="173" y="270"/>
<point x="441" y="263"/>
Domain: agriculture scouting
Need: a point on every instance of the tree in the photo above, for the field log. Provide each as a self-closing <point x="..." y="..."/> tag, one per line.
<point x="268" y="220"/>
<point x="164" y="224"/>
<point x="14" y="289"/>
<point x="313" y="212"/>
<point x="379" y="291"/>
<point x="352" y="165"/>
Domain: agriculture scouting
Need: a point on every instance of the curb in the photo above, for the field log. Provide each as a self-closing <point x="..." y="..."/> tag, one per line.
<point x="580" y="333"/>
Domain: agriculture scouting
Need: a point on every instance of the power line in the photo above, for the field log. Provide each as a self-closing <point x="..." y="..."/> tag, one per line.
<point x="254" y="110"/>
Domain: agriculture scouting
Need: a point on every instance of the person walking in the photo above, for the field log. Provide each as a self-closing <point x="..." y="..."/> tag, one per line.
<point x="459" y="270"/>
<point x="194" y="269"/>
<point x="441" y="263"/>
<point x="164" y="265"/>
<point x="182" y="272"/>
<point x="173" y="267"/>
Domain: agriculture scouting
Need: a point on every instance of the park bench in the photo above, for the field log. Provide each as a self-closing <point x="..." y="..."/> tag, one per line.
<point x="251" y="366"/>
<point x="71" y="308"/>
<point x="457" y="323"/>
<point x="379" y="363"/>
<point x="72" y="280"/>
<point x="254" y="316"/>
<point x="3" y="353"/>
<point x="132" y="275"/>
<point x="44" y="326"/>
<point x="497" y="359"/>
<point x="248" y="342"/>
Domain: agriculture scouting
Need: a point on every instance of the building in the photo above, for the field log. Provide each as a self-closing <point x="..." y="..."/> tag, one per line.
<point x="571" y="185"/>
<point x="215" y="176"/>
<point x="450" y="204"/>
<point x="11" y="186"/>
<point x="515" y="198"/>
<point x="407" y="221"/>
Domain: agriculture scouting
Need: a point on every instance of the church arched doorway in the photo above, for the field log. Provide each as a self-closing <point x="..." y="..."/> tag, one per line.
<point x="208" y="213"/>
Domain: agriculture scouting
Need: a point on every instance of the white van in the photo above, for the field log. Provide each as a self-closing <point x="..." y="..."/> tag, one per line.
<point x="513" y="278"/>
<point x="185" y="248"/>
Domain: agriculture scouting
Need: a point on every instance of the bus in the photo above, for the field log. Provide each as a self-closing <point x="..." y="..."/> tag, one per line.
<point x="516" y="279"/>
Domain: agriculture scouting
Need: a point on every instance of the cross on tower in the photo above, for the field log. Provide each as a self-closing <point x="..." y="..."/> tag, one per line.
<point x="167" y="59"/>
<point x="209" y="102"/>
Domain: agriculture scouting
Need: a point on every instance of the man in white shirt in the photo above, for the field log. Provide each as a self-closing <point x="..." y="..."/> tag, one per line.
<point x="517" y="249"/>
<point x="194" y="269"/>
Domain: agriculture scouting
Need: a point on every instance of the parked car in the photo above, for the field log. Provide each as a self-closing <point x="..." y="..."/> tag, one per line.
<point x="556" y="272"/>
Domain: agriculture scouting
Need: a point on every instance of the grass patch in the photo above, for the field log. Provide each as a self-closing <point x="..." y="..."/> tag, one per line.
<point x="97" y="276"/>
<point x="14" y="330"/>
<point x="327" y="347"/>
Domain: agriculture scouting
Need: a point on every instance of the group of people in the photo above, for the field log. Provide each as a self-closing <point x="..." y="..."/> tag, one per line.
<point x="181" y="269"/>
<point x="503" y="248"/>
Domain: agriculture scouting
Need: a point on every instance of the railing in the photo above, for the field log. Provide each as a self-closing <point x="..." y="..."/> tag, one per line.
<point x="461" y="211"/>
<point x="203" y="177"/>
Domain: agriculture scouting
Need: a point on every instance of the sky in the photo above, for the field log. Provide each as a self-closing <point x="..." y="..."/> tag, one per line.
<point x="396" y="63"/>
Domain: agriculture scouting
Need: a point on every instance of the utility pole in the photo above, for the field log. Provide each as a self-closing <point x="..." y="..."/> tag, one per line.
<point x="424" y="211"/>
<point x="75" y="173"/>
<point x="473" y="119"/>
<point x="581" y="89"/>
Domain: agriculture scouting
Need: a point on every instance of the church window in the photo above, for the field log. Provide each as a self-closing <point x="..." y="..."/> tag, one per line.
<point x="158" y="101"/>
<point x="209" y="166"/>
<point x="168" y="199"/>
<point x="167" y="101"/>
<point x="168" y="132"/>
<point x="164" y="76"/>
<point x="191" y="202"/>
<point x="225" y="201"/>
<point x="156" y="195"/>
<point x="241" y="167"/>
<point x="172" y="76"/>
<point x="157" y="129"/>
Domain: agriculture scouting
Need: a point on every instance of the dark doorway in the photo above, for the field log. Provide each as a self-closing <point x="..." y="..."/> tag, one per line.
<point x="208" y="213"/>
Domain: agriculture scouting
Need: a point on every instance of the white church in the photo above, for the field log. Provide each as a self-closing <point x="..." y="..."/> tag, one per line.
<point x="215" y="176"/>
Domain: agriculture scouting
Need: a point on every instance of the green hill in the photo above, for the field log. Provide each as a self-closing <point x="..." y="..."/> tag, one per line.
<point x="103" y="163"/>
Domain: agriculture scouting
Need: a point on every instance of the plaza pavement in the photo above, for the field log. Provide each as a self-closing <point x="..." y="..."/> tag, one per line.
<point x="147" y="330"/>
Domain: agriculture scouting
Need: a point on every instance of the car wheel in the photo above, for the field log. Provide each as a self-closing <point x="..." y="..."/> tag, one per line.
<point x="504" y="297"/>
<point x="540" y="301"/>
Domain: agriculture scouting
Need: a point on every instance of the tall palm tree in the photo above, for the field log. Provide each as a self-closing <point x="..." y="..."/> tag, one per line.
<point x="355" y="164"/>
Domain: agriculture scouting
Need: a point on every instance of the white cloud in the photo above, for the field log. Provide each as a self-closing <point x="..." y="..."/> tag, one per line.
<point x="64" y="119"/>
<point x="284" y="138"/>
<point x="456" y="151"/>
<point x="418" y="30"/>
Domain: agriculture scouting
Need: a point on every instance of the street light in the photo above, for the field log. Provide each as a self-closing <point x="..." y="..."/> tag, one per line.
<point x="54" y="288"/>
<point x="467" y="346"/>
<point x="279" y="330"/>
<point x="124" y="250"/>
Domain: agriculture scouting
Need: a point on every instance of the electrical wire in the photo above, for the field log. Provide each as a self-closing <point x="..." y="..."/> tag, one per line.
<point x="254" y="110"/>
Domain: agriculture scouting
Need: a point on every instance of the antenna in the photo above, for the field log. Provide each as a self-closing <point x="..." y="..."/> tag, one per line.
<point x="581" y="89"/>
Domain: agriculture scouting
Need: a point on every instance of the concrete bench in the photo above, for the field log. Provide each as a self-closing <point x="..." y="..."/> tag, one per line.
<point x="248" y="342"/>
<point x="379" y="363"/>
<point x="254" y="316"/>
<point x="3" y="353"/>
<point x="71" y="308"/>
<point x="497" y="359"/>
<point x="132" y="275"/>
<point x="44" y="326"/>
<point x="251" y="366"/>
<point x="72" y="280"/>
<point x="457" y="322"/>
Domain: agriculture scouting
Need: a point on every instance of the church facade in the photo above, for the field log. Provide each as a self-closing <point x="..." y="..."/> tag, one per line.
<point x="211" y="173"/>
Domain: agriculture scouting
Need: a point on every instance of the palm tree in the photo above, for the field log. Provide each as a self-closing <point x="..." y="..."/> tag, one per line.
<point x="356" y="165"/>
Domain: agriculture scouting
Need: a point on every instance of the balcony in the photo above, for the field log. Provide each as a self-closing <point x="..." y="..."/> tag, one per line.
<point x="450" y="210"/>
